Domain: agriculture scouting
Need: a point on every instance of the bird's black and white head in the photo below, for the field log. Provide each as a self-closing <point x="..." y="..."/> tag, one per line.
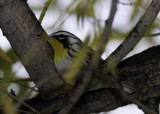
<point x="64" y="37"/>
<point x="65" y="45"/>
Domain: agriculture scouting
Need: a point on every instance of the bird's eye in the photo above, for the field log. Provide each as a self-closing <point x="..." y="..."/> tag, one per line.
<point x="61" y="36"/>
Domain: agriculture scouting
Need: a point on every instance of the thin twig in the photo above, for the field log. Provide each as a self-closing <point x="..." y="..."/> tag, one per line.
<point x="106" y="31"/>
<point x="44" y="10"/>
<point x="14" y="98"/>
<point x="153" y="35"/>
<point x="14" y="80"/>
<point x="28" y="87"/>
<point x="18" y="81"/>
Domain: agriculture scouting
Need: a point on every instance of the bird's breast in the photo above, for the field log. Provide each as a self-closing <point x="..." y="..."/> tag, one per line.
<point x="62" y="60"/>
<point x="59" y="51"/>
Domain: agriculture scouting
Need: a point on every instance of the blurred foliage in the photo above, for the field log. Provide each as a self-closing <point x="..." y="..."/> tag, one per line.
<point x="7" y="75"/>
<point x="83" y="11"/>
<point x="10" y="108"/>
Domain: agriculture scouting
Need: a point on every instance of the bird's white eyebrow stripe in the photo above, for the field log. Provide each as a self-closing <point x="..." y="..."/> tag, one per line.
<point x="73" y="40"/>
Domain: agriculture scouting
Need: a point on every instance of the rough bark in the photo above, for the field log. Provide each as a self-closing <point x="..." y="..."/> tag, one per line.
<point x="20" y="26"/>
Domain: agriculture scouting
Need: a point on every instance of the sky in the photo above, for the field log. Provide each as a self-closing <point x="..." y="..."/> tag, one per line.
<point x="121" y="21"/>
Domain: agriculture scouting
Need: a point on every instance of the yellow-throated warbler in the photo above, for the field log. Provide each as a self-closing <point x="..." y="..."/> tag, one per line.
<point x="66" y="46"/>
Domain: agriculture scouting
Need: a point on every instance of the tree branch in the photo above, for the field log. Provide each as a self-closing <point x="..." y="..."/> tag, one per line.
<point x="107" y="28"/>
<point x="20" y="26"/>
<point x="137" y="33"/>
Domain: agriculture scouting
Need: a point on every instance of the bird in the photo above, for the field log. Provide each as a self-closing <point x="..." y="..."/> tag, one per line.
<point x="66" y="47"/>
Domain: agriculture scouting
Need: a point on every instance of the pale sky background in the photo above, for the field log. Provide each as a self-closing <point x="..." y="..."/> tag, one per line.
<point x="121" y="21"/>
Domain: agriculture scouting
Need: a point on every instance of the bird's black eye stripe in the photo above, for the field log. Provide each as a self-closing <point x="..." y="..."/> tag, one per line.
<point x="61" y="36"/>
<point x="63" y="39"/>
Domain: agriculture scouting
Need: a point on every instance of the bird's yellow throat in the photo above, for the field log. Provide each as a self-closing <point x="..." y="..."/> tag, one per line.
<point x="59" y="51"/>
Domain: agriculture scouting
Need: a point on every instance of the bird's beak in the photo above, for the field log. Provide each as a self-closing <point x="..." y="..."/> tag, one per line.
<point x="45" y="36"/>
<point x="50" y="37"/>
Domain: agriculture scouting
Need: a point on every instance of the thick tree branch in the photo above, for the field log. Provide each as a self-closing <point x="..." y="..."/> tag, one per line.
<point x="20" y="26"/>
